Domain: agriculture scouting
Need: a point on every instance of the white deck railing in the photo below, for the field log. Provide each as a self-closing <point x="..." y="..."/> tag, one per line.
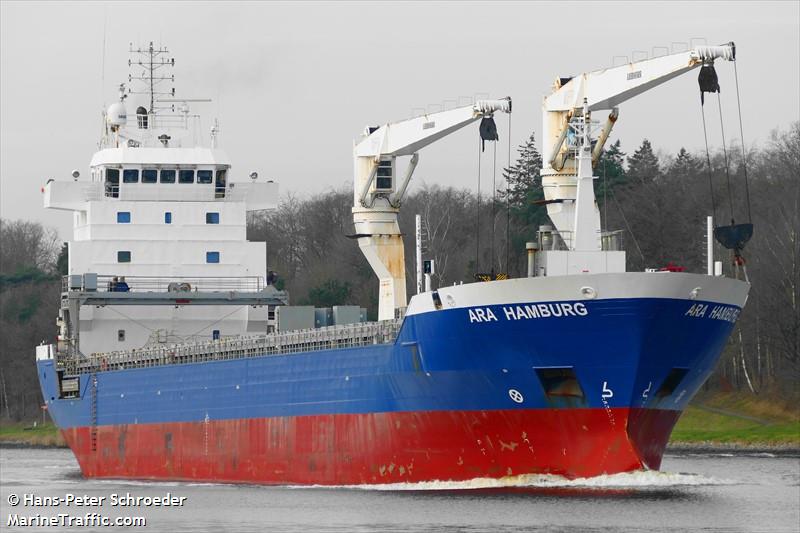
<point x="176" y="284"/>
<point x="290" y="342"/>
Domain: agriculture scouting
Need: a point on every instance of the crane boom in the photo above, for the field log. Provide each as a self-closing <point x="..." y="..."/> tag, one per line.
<point x="377" y="197"/>
<point x="607" y="88"/>
<point x="567" y="112"/>
<point x="409" y="136"/>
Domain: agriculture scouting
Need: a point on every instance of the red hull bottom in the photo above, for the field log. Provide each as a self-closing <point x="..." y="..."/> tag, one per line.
<point x="349" y="449"/>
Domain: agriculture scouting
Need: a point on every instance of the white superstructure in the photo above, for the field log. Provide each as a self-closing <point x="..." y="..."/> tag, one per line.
<point x="168" y="215"/>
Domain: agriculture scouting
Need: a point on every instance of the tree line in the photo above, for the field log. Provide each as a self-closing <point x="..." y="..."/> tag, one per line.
<point x="659" y="203"/>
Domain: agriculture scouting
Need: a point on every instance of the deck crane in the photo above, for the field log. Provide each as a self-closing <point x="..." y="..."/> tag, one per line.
<point x="378" y="197"/>
<point x="567" y="149"/>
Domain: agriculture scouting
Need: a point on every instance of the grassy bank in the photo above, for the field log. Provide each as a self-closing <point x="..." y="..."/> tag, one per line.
<point x="25" y="434"/>
<point x="739" y="420"/>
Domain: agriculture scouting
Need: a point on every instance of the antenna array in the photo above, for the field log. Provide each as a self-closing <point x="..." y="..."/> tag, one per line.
<point x="152" y="60"/>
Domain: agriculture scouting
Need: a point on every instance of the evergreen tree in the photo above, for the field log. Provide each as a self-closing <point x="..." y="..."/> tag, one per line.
<point x="329" y="293"/>
<point x="523" y="178"/>
<point x="62" y="263"/>
<point x="524" y="196"/>
<point x="525" y="186"/>
<point x="685" y="165"/>
<point x="610" y="171"/>
<point x="643" y="164"/>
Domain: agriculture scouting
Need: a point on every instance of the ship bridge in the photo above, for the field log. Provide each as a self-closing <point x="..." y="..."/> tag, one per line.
<point x="159" y="249"/>
<point x="157" y="174"/>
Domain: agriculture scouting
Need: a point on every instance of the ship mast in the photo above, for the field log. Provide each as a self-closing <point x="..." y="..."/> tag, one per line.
<point x="152" y="60"/>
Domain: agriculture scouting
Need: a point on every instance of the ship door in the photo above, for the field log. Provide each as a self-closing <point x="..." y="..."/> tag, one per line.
<point x="219" y="183"/>
<point x="112" y="182"/>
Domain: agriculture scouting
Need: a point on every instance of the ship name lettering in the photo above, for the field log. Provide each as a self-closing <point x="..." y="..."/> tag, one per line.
<point x="718" y="312"/>
<point x="697" y="310"/>
<point x="481" y="315"/>
<point x="723" y="312"/>
<point x="523" y="312"/>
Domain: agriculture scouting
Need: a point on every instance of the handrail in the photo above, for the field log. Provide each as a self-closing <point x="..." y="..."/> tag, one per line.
<point x="289" y="342"/>
<point x="177" y="284"/>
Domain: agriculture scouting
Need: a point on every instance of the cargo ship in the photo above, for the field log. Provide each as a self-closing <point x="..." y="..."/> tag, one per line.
<point x="179" y="359"/>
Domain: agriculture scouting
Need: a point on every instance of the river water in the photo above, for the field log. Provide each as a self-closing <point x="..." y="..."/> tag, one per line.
<point x="694" y="492"/>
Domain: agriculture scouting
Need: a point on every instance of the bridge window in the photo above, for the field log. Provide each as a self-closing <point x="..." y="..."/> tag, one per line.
<point x="204" y="176"/>
<point x="212" y="257"/>
<point x="123" y="217"/>
<point x="149" y="175"/>
<point x="123" y="256"/>
<point x="185" y="176"/>
<point x="121" y="335"/>
<point x="130" y="175"/>
<point x="168" y="217"/>
<point x="167" y="175"/>
<point x="212" y="218"/>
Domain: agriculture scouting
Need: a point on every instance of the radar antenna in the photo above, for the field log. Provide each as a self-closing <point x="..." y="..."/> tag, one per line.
<point x="152" y="60"/>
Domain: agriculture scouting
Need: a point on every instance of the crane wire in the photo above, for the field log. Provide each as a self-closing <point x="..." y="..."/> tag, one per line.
<point x="725" y="154"/>
<point x="494" y="202"/>
<point x="605" y="197"/>
<point x="478" y="215"/>
<point x="708" y="164"/>
<point x="627" y="226"/>
<point x="741" y="134"/>
<point x="508" y="200"/>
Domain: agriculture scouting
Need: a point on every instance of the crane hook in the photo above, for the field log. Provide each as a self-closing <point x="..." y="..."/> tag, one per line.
<point x="709" y="83"/>
<point x="488" y="131"/>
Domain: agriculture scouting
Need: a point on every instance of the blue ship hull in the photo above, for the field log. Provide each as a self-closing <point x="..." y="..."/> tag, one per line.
<point x="572" y="378"/>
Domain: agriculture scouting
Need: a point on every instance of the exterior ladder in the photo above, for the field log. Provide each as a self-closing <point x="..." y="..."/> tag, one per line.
<point x="94" y="413"/>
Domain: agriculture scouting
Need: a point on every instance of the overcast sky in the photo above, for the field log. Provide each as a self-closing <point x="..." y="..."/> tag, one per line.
<point x="294" y="84"/>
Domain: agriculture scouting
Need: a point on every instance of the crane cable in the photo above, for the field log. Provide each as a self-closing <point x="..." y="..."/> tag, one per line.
<point x="708" y="164"/>
<point x="494" y="202"/>
<point x="725" y="153"/>
<point x="478" y="214"/>
<point x="508" y="200"/>
<point x="730" y="230"/>
<point x="725" y="157"/>
<point x="741" y="138"/>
